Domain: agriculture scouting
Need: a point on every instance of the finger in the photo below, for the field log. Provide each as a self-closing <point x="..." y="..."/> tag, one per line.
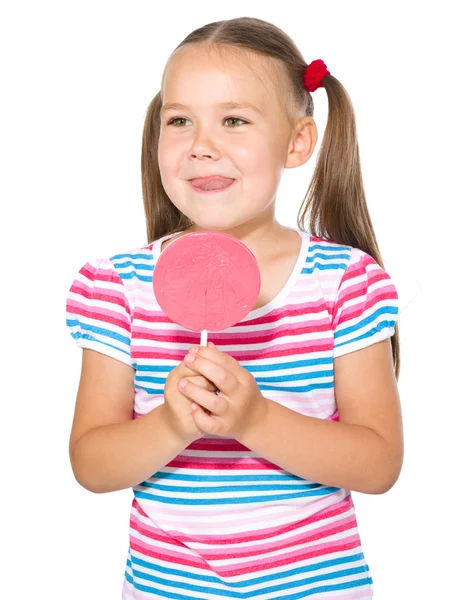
<point x="214" y="355"/>
<point x="202" y="382"/>
<point x="204" y="420"/>
<point x="207" y="400"/>
<point x="185" y="371"/>
<point x="224" y="380"/>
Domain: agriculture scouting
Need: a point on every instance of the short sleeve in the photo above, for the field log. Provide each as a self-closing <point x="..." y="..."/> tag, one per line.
<point x="98" y="314"/>
<point x="366" y="306"/>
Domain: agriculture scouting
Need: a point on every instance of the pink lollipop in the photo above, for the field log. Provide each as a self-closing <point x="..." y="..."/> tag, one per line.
<point x="206" y="281"/>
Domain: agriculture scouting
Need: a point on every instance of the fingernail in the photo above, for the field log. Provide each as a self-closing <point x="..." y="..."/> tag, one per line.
<point x="194" y="349"/>
<point x="189" y="358"/>
<point x="182" y="383"/>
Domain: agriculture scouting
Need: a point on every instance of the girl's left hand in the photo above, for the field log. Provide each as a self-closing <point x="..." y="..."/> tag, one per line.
<point x="240" y="405"/>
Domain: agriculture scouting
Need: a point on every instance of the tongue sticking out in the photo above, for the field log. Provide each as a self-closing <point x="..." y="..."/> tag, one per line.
<point x="212" y="183"/>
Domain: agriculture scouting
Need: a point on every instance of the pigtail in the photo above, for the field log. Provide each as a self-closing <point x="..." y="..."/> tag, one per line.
<point x="336" y="197"/>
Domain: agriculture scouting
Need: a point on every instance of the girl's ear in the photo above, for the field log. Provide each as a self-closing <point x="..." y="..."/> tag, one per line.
<point x="303" y="144"/>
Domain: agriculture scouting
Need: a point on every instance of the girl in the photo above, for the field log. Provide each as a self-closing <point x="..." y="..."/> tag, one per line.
<point x="246" y="492"/>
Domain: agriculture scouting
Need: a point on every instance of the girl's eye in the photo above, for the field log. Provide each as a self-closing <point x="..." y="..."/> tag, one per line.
<point x="235" y="119"/>
<point x="227" y="119"/>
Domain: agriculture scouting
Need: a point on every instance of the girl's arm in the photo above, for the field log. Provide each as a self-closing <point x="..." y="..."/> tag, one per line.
<point x="364" y="450"/>
<point x="108" y="450"/>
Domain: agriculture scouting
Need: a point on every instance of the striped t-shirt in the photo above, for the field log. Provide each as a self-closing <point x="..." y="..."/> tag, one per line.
<point x="219" y="521"/>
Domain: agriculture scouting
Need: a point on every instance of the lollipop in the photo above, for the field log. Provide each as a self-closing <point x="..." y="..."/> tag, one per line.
<point x="206" y="281"/>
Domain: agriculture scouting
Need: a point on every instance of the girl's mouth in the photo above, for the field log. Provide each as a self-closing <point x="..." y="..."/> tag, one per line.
<point x="211" y="185"/>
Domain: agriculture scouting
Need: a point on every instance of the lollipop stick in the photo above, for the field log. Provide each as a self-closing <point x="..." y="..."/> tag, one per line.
<point x="203" y="337"/>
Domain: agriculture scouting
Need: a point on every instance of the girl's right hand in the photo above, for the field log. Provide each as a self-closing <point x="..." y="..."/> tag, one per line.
<point x="177" y="407"/>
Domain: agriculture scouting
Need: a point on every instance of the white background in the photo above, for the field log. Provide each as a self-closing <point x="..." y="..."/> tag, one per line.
<point x="77" y="78"/>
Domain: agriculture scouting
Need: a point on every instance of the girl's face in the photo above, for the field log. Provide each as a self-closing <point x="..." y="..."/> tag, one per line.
<point x="203" y="138"/>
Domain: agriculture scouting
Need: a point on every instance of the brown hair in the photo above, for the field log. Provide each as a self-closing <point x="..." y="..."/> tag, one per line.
<point x="335" y="200"/>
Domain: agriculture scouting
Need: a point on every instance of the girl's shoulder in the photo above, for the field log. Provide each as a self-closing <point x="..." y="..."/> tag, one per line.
<point x="136" y="263"/>
<point x="348" y="277"/>
<point x="333" y="256"/>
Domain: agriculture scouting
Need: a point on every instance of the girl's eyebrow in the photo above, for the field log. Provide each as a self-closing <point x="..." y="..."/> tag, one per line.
<point x="225" y="105"/>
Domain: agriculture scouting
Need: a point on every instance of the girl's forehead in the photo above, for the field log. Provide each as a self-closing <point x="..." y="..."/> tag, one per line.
<point x="196" y="66"/>
<point x="207" y="78"/>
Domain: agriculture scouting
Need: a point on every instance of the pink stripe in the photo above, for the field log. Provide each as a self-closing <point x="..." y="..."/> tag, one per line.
<point x="289" y="349"/>
<point x="104" y="315"/>
<point x="370" y="277"/>
<point x="217" y="463"/>
<point x="291" y="558"/>
<point x="94" y="292"/>
<point x="340" y="509"/>
<point x="171" y="525"/>
<point x="249" y="567"/>
<point x="306" y="308"/>
<point x="172" y="558"/>
<point x="230" y="551"/>
<point x="251" y="337"/>
<point x="223" y="445"/>
<point x="357" y="310"/>
<point x="334" y="416"/>
<point x="95" y="275"/>
<point x="317" y="510"/>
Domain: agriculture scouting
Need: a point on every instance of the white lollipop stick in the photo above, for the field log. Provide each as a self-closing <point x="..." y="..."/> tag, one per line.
<point x="203" y="337"/>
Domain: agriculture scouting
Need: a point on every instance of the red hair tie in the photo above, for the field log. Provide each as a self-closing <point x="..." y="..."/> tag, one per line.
<point x="314" y="74"/>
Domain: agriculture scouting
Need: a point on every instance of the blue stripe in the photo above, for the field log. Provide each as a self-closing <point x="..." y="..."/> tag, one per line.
<point x="390" y="310"/>
<point x="263" y="387"/>
<point x="76" y="336"/>
<point x="96" y="330"/>
<point x="139" y="267"/>
<point x="280" y="574"/>
<point x="334" y="266"/>
<point x="332" y="248"/>
<point x="236" y="500"/>
<point x="207" y="478"/>
<point x="252" y="594"/>
<point x="312" y="257"/>
<point x="295" y="364"/>
<point x="225" y="488"/>
<point x="156" y="368"/>
<point x="268" y="380"/>
<point x="135" y="275"/>
<point x="295" y="376"/>
<point x="370" y="333"/>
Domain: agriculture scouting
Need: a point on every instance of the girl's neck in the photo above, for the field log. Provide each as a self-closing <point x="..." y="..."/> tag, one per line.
<point x="263" y="241"/>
